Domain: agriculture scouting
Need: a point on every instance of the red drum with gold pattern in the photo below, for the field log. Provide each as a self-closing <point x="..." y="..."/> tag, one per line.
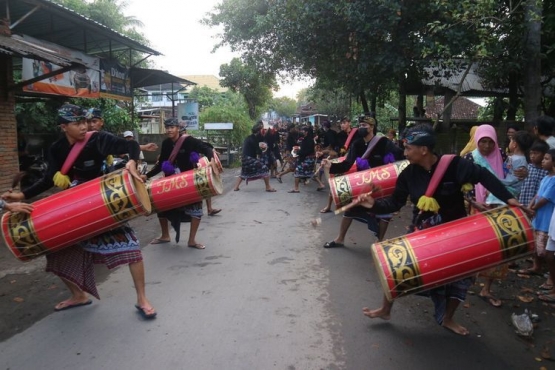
<point x="204" y="162"/>
<point x="341" y="159"/>
<point x="184" y="188"/>
<point x="448" y="252"/>
<point x="74" y="215"/>
<point x="345" y="188"/>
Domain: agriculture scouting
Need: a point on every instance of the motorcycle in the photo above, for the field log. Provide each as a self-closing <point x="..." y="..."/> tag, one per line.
<point x="119" y="163"/>
<point x="32" y="169"/>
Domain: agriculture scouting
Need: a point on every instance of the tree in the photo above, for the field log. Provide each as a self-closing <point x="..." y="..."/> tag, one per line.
<point x="371" y="47"/>
<point x="333" y="102"/>
<point x="358" y="46"/>
<point x="205" y="96"/>
<point x="230" y="109"/>
<point x="253" y="84"/>
<point x="283" y="106"/>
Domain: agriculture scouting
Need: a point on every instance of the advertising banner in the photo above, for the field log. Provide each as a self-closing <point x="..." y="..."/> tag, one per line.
<point x="115" y="82"/>
<point x="82" y="83"/>
<point x="188" y="113"/>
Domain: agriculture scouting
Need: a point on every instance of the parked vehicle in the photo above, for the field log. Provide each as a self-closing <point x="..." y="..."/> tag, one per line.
<point x="31" y="172"/>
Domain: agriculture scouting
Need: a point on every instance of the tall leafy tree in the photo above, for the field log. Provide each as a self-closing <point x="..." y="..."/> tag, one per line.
<point x="205" y="96"/>
<point x="232" y="109"/>
<point x="283" y="106"/>
<point x="253" y="84"/>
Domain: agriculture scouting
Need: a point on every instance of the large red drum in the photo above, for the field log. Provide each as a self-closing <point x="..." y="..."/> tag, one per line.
<point x="205" y="162"/>
<point x="184" y="188"/>
<point x="74" y="215"/>
<point x="341" y="159"/>
<point x="347" y="187"/>
<point x="445" y="253"/>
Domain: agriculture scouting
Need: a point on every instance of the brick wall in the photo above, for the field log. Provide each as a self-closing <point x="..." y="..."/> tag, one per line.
<point x="9" y="165"/>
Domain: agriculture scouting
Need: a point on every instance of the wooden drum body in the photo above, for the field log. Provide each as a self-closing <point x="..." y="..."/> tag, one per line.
<point x="347" y="187"/>
<point x="74" y="215"/>
<point x="448" y="252"/>
<point x="184" y="188"/>
<point x="205" y="162"/>
<point x="341" y="159"/>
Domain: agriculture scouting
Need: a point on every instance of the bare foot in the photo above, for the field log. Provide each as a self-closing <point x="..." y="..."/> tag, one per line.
<point x="454" y="327"/>
<point x="379" y="313"/>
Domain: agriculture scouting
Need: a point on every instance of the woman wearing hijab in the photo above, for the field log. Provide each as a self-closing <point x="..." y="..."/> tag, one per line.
<point x="487" y="154"/>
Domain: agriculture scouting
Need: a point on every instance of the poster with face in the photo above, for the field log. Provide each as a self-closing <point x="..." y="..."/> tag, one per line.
<point x="115" y="81"/>
<point x="80" y="82"/>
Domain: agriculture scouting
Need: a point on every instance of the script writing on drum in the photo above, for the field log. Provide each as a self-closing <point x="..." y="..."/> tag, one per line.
<point x="367" y="177"/>
<point x="171" y="184"/>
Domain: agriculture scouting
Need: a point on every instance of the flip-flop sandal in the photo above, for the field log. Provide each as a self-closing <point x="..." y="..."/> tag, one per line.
<point x="143" y="313"/>
<point x="278" y="178"/>
<point x="333" y="244"/>
<point x="549" y="298"/>
<point x="294" y="191"/>
<point x="70" y="306"/>
<point x="196" y="246"/>
<point x="545" y="286"/>
<point x="528" y="272"/>
<point x="325" y="210"/>
<point x="214" y="212"/>
<point x="320" y="189"/>
<point x="236" y="189"/>
<point x="159" y="241"/>
<point x="271" y="190"/>
<point x="495" y="302"/>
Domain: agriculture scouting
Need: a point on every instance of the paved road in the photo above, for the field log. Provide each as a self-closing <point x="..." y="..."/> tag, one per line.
<point x="264" y="294"/>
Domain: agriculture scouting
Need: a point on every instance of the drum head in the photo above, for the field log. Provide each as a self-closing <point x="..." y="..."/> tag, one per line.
<point x="142" y="194"/>
<point x="215" y="181"/>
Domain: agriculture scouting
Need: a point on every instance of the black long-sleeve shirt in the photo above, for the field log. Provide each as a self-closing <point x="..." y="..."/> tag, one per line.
<point x="307" y="145"/>
<point x="330" y="139"/>
<point x="182" y="160"/>
<point x="358" y="148"/>
<point x="414" y="180"/>
<point x="292" y="138"/>
<point x="272" y="139"/>
<point x="88" y="164"/>
<point x="251" y="147"/>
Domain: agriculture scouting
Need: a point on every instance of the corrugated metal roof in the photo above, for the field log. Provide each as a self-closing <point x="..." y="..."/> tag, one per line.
<point x="16" y="45"/>
<point x="450" y="77"/>
<point x="52" y="22"/>
<point x="141" y="77"/>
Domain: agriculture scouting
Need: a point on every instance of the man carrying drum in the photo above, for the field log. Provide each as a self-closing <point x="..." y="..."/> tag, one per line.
<point x="413" y="182"/>
<point x="366" y="151"/>
<point x="75" y="265"/>
<point x="184" y="145"/>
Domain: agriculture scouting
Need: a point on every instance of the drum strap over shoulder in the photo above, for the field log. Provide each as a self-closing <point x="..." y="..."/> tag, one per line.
<point x="61" y="179"/>
<point x="177" y="147"/>
<point x="74" y="153"/>
<point x="427" y="202"/>
<point x="371" y="145"/>
<point x="352" y="134"/>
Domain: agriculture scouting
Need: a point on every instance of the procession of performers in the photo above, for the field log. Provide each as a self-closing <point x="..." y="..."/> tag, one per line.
<point x="363" y="149"/>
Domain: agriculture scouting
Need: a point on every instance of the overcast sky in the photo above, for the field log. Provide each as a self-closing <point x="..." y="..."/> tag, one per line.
<point x="174" y="29"/>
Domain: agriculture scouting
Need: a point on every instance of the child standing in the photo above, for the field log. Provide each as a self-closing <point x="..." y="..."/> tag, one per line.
<point x="530" y="188"/>
<point x="520" y="143"/>
<point x="544" y="204"/>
